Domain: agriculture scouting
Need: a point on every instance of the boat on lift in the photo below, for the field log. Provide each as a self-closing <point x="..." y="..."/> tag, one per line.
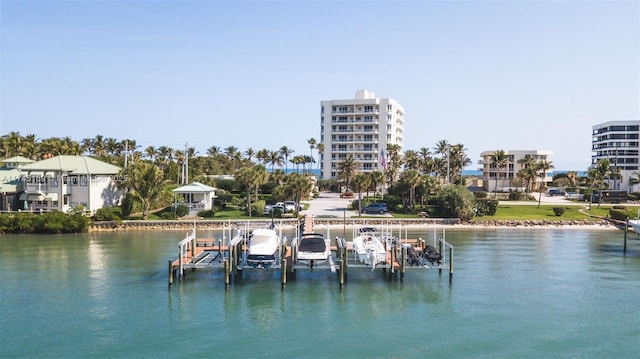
<point x="313" y="248"/>
<point x="263" y="244"/>
<point x="370" y="246"/>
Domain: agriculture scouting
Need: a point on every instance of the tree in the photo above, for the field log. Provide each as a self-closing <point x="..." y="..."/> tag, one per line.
<point x="376" y="178"/>
<point x="457" y="201"/>
<point x="359" y="183"/>
<point x="274" y="159"/>
<point x="412" y="179"/>
<point x="527" y="172"/>
<point x="145" y="183"/>
<point x="346" y="170"/>
<point x="252" y="178"/>
<point x="499" y="159"/>
<point x="312" y="144"/>
<point x="443" y="148"/>
<point x="286" y="152"/>
<point x="298" y="186"/>
<point x="543" y="167"/>
<point x="320" y="149"/>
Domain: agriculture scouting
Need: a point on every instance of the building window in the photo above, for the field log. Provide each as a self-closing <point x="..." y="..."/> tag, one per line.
<point x="83" y="180"/>
<point x="74" y="180"/>
<point x="54" y="203"/>
<point x="65" y="200"/>
<point x="368" y="109"/>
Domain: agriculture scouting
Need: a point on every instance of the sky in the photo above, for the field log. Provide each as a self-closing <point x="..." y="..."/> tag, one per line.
<point x="490" y="75"/>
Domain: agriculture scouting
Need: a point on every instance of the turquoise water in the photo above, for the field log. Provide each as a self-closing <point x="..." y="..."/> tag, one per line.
<point x="516" y="293"/>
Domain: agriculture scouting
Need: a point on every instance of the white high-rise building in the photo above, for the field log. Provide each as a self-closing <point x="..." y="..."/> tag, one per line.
<point x="617" y="141"/>
<point x="360" y="128"/>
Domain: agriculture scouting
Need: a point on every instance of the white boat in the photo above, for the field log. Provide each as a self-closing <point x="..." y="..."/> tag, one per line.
<point x="263" y="248"/>
<point x="369" y="246"/>
<point x="635" y="224"/>
<point x="313" y="247"/>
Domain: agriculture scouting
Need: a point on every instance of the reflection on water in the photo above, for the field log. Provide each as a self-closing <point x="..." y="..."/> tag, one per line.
<point x="515" y="293"/>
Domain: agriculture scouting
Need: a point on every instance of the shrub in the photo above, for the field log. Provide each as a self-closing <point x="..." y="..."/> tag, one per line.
<point x="516" y="196"/>
<point x="559" y="211"/>
<point x="620" y="215"/>
<point x="169" y="215"/>
<point x="108" y="214"/>
<point x="208" y="213"/>
<point x="486" y="207"/>
<point x="182" y="210"/>
<point x="457" y="202"/>
<point x="481" y="194"/>
<point x="257" y="207"/>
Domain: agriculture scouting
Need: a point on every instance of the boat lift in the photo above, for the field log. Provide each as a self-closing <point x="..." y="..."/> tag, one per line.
<point x="229" y="254"/>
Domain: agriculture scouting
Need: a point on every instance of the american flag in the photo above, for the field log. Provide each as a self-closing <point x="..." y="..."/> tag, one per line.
<point x="382" y="159"/>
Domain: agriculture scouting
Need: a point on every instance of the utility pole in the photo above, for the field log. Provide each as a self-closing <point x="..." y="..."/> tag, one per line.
<point x="126" y="152"/>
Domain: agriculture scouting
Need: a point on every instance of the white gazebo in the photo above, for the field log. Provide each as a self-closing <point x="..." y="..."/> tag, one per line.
<point x="196" y="196"/>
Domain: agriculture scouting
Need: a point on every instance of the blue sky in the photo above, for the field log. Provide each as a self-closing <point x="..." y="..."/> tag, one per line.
<point x="489" y="75"/>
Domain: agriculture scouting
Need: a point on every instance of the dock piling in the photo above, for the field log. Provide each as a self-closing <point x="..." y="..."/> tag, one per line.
<point x="283" y="271"/>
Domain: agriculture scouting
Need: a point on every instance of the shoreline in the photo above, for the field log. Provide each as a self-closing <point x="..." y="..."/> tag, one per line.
<point x="324" y="223"/>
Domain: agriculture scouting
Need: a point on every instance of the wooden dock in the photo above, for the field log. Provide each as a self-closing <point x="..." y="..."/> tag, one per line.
<point x="229" y="256"/>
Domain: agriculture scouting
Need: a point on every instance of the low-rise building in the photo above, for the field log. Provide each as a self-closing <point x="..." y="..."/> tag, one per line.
<point x="65" y="182"/>
<point x="502" y="178"/>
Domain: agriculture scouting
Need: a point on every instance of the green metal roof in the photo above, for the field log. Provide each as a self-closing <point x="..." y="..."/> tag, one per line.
<point x="194" y="187"/>
<point x="72" y="164"/>
<point x="17" y="159"/>
<point x="9" y="179"/>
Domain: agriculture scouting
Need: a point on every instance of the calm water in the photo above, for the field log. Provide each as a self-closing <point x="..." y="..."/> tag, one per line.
<point x="518" y="293"/>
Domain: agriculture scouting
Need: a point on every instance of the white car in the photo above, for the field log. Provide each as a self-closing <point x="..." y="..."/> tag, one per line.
<point x="293" y="205"/>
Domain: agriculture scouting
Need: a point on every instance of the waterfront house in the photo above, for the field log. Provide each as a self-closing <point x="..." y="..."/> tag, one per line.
<point x="10" y="183"/>
<point x="65" y="182"/>
<point x="196" y="196"/>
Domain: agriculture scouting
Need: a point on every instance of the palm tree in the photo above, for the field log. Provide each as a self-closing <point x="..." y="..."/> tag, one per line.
<point x="320" y="149"/>
<point x="150" y="153"/>
<point x="359" y="183"/>
<point x="145" y="183"/>
<point x="376" y="178"/>
<point x="298" y="186"/>
<point x="274" y="159"/>
<point x="442" y="148"/>
<point x="213" y="151"/>
<point x="412" y="179"/>
<point x="543" y="166"/>
<point x="458" y="161"/>
<point x="249" y="153"/>
<point x="499" y="159"/>
<point x="411" y="160"/>
<point x="286" y="152"/>
<point x="394" y="164"/>
<point x="252" y="178"/>
<point x="312" y="144"/>
<point x="602" y="170"/>
<point x="527" y="172"/>
<point x="31" y="147"/>
<point x="346" y="170"/>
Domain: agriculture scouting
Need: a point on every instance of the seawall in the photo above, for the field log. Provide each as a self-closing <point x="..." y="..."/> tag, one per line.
<point x="186" y="225"/>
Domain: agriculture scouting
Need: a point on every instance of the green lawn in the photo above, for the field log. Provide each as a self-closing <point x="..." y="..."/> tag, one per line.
<point x="532" y="212"/>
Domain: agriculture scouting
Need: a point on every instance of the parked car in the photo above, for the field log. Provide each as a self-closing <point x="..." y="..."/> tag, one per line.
<point x="555" y="192"/>
<point x="293" y="205"/>
<point x="375" y="208"/>
<point x="268" y="209"/>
